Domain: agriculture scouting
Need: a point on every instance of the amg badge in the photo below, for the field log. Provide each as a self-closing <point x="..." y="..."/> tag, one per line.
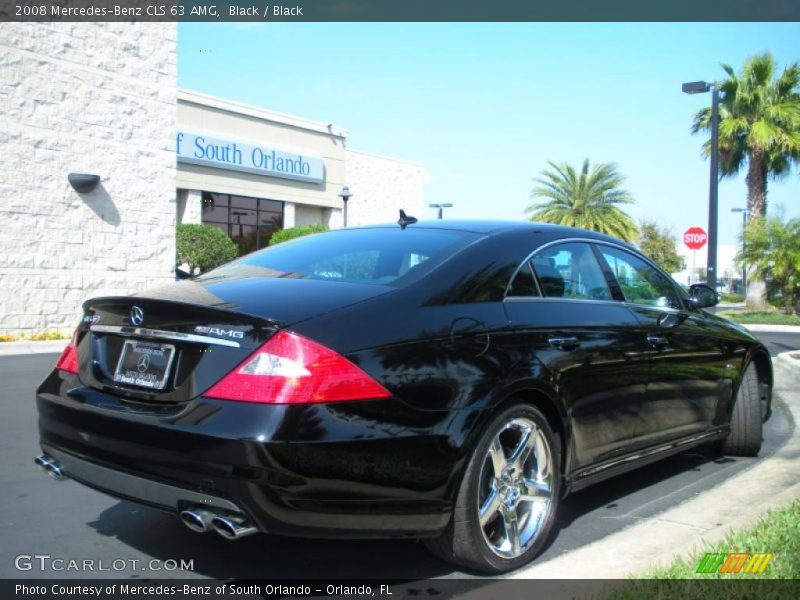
<point x="231" y="333"/>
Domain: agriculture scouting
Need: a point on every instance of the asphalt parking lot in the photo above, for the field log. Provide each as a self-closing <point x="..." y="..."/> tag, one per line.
<point x="66" y="520"/>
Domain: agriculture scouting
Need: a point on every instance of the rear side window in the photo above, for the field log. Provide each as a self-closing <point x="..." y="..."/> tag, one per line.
<point x="523" y="284"/>
<point x="640" y="282"/>
<point x="379" y="256"/>
<point x="570" y="271"/>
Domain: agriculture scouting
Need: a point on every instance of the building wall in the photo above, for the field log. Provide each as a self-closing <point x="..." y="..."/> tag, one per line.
<point x="190" y="207"/>
<point x="381" y="186"/>
<point x="308" y="215"/>
<point x="87" y="97"/>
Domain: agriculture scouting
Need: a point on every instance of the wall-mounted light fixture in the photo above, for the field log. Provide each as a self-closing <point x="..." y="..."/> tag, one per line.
<point x="83" y="183"/>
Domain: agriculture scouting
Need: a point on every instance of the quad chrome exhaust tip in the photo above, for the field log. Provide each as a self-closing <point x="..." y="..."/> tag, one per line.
<point x="232" y="527"/>
<point x="50" y="466"/>
<point x="203" y="520"/>
<point x="197" y="519"/>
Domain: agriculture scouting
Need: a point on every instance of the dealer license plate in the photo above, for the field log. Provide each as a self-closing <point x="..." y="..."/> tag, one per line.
<point x="144" y="364"/>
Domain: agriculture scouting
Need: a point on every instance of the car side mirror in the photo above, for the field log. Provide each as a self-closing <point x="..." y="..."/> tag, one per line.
<point x="702" y="296"/>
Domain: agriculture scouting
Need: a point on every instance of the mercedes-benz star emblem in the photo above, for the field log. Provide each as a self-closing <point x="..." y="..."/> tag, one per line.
<point x="144" y="362"/>
<point x="137" y="315"/>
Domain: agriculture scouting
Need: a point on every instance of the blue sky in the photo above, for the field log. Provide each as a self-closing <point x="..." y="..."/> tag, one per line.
<point x="483" y="107"/>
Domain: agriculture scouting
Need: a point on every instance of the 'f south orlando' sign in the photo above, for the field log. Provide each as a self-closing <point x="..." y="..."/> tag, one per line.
<point x="203" y="150"/>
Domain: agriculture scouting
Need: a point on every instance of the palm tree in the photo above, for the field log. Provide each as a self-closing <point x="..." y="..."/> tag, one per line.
<point x="759" y="124"/>
<point x="589" y="199"/>
<point x="772" y="249"/>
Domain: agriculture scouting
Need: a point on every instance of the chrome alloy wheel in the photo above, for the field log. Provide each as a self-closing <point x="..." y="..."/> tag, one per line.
<point x="516" y="485"/>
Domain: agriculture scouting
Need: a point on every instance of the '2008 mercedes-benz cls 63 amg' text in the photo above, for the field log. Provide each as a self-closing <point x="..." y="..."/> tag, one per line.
<point x="450" y="381"/>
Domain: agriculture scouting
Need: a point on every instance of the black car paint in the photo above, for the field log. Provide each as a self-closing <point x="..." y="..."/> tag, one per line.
<point x="450" y="350"/>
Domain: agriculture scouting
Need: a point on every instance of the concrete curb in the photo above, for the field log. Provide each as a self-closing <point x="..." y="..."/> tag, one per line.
<point x="737" y="503"/>
<point x="773" y="328"/>
<point x="791" y="359"/>
<point x="12" y="348"/>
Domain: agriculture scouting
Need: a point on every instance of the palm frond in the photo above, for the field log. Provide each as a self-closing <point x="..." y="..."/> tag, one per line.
<point x="728" y="69"/>
<point x="586" y="197"/>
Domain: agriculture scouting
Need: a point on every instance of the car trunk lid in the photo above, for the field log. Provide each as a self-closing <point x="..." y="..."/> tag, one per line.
<point x="171" y="344"/>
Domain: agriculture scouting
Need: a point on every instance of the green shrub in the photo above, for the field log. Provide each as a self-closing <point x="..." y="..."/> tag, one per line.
<point x="203" y="247"/>
<point x="284" y="235"/>
<point x="39" y="336"/>
<point x="44" y="336"/>
<point x="732" y="298"/>
<point x="756" y="317"/>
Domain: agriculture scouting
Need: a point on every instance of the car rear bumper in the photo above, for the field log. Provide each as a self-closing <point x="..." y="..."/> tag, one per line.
<point x="131" y="487"/>
<point x="350" y="469"/>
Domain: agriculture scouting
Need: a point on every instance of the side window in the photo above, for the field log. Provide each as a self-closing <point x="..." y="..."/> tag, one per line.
<point x="640" y="283"/>
<point x="523" y="283"/>
<point x="570" y="271"/>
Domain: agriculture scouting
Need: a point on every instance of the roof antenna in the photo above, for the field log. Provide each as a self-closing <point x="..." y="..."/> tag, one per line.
<point x="405" y="220"/>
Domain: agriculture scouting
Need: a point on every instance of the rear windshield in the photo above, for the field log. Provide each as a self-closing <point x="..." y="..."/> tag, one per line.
<point x="380" y="256"/>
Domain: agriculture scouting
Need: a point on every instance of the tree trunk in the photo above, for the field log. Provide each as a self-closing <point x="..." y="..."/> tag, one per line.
<point x="756" y="180"/>
<point x="756" y="184"/>
<point x="756" y="294"/>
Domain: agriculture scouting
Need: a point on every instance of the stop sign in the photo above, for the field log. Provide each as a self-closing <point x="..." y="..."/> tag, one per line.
<point x="695" y="237"/>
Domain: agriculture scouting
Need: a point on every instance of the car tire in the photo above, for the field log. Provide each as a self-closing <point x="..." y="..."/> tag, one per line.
<point x="745" y="436"/>
<point x="509" y="501"/>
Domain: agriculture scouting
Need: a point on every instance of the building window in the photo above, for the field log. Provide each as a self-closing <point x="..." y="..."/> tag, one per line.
<point x="249" y="222"/>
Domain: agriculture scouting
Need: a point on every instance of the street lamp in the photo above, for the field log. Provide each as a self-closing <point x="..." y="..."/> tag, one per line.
<point x="440" y="207"/>
<point x="700" y="87"/>
<point x="744" y="265"/>
<point x="345" y="195"/>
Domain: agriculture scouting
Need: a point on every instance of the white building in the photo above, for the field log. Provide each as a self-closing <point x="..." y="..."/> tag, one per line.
<point x="698" y="259"/>
<point x="251" y="171"/>
<point x="102" y="98"/>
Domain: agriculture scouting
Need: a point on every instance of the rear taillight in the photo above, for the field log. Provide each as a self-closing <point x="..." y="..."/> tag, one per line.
<point x="69" y="357"/>
<point x="291" y="369"/>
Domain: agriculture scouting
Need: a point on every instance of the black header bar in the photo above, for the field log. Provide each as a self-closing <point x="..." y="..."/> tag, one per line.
<point x="400" y="10"/>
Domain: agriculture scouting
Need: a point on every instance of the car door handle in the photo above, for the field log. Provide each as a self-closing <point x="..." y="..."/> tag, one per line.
<point x="659" y="342"/>
<point x="564" y="343"/>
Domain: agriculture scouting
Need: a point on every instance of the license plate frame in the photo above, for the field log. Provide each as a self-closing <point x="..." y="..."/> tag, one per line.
<point x="150" y="369"/>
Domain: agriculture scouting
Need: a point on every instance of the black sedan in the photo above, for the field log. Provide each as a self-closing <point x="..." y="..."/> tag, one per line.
<point x="450" y="381"/>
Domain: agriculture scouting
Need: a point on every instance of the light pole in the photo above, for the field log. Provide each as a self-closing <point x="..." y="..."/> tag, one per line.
<point x="440" y="207"/>
<point x="345" y="196"/>
<point x="700" y="87"/>
<point x="744" y="265"/>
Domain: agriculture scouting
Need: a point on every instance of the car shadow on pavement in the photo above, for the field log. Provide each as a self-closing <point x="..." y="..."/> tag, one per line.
<point x="611" y="505"/>
<point x="162" y="536"/>
<point x="606" y="492"/>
